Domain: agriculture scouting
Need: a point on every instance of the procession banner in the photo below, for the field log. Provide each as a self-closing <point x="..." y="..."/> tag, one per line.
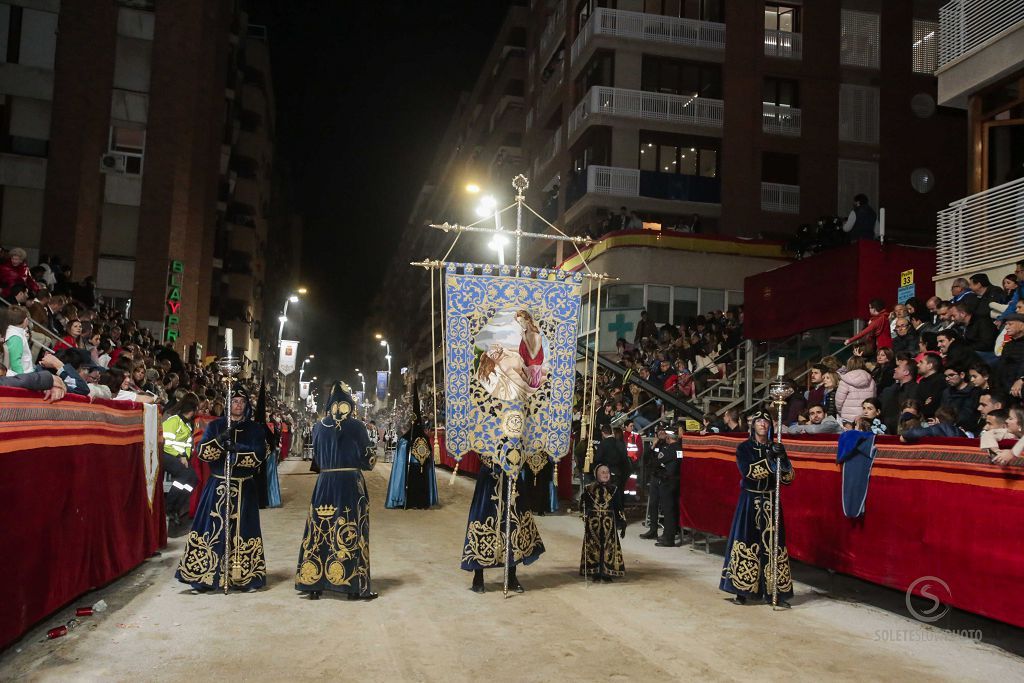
<point x="382" y="385"/>
<point x="303" y="390"/>
<point x="511" y="361"/>
<point x="286" y="361"/>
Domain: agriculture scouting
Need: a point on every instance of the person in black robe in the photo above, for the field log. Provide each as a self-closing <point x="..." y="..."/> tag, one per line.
<point x="747" y="572"/>
<point x="335" y="550"/>
<point x="244" y="446"/>
<point x="420" y="478"/>
<point x="485" y="545"/>
<point x="603" y="517"/>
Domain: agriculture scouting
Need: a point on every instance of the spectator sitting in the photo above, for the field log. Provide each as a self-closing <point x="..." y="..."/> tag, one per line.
<point x="854" y="387"/>
<point x="73" y="338"/>
<point x="905" y="340"/>
<point x="986" y="292"/>
<point x="989" y="401"/>
<point x="1015" y="429"/>
<point x="943" y="424"/>
<point x="15" y="271"/>
<point x="872" y="411"/>
<point x="979" y="335"/>
<point x="995" y="431"/>
<point x="818" y="423"/>
<point x="960" y="397"/>
<point x="1015" y="297"/>
<point x="17" y="347"/>
<point x="910" y="415"/>
<point x="953" y="350"/>
<point x="38" y="380"/>
<point x="729" y="422"/>
<point x="930" y="383"/>
<point x="62" y="366"/>
<point x="1011" y="362"/>
<point x="885" y="363"/>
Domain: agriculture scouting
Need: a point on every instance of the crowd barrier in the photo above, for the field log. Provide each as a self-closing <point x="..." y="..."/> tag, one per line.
<point x="937" y="508"/>
<point x="81" y="500"/>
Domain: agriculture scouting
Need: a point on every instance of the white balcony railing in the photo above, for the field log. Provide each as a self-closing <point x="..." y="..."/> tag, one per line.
<point x="984" y="229"/>
<point x="618" y="182"/>
<point x="651" y="27"/>
<point x="780" y="198"/>
<point x="649" y="106"/>
<point x="966" y="24"/>
<point x="780" y="120"/>
<point x="783" y="44"/>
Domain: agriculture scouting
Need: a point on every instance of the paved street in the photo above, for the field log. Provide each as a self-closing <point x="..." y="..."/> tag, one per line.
<point x="666" y="622"/>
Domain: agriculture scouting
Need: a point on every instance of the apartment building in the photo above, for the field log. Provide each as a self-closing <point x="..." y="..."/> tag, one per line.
<point x="138" y="149"/>
<point x="981" y="70"/>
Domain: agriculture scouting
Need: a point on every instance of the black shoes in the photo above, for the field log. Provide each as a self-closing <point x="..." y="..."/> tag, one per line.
<point x="666" y="542"/>
<point x="513" y="582"/>
<point x="739" y="600"/>
<point x="649" y="536"/>
<point x="315" y="595"/>
<point x="478" y="581"/>
<point x="366" y="596"/>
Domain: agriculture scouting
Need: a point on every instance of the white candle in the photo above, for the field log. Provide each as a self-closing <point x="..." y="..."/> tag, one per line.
<point x="227" y="341"/>
<point x="782" y="366"/>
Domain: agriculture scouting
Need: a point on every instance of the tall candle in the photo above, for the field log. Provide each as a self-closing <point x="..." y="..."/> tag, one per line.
<point x="782" y="366"/>
<point x="227" y="341"/>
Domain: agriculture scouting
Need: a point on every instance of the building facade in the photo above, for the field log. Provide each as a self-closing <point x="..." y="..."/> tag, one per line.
<point x="139" y="150"/>
<point x="981" y="69"/>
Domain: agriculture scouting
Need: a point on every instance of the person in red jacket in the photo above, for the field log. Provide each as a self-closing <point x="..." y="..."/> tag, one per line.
<point x="634" y="442"/>
<point x="14" y="271"/>
<point x="878" y="326"/>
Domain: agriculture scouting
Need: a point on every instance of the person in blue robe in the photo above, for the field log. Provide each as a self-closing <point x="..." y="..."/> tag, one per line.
<point x="413" y="482"/>
<point x="335" y="550"/>
<point x="273" y="483"/>
<point x="747" y="573"/>
<point x="203" y="562"/>
<point x="485" y="545"/>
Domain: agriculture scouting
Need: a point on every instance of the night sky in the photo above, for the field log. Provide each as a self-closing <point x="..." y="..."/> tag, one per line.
<point x="364" y="90"/>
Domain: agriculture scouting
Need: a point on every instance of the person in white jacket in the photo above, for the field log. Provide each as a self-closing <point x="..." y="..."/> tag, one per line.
<point x="17" y="347"/>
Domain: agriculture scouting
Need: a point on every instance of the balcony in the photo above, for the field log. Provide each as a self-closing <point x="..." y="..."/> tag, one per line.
<point x="967" y="24"/>
<point x="981" y="231"/>
<point x="600" y="101"/>
<point x="552" y="33"/>
<point x="780" y="120"/>
<point x="549" y="151"/>
<point x="780" y="198"/>
<point x="651" y="28"/>
<point x="631" y="182"/>
<point x="785" y="44"/>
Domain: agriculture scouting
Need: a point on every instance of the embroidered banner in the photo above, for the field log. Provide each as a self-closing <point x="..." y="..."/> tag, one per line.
<point x="510" y="363"/>
<point x="382" y="385"/>
<point x="286" y="359"/>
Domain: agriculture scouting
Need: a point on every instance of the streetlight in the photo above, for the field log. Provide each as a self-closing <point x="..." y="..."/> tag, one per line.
<point x="387" y="356"/>
<point x="362" y="381"/>
<point x="303" y="366"/>
<point x="290" y="299"/>
<point x="489" y="206"/>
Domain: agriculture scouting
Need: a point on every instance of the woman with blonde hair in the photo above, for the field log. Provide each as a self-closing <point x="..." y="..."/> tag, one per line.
<point x="531" y="348"/>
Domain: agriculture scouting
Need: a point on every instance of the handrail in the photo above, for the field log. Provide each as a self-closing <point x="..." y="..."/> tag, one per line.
<point x="34" y="326"/>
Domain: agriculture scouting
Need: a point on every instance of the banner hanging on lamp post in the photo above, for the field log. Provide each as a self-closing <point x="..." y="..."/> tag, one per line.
<point x="288" y="353"/>
<point x="303" y="390"/>
<point x="382" y="385"/>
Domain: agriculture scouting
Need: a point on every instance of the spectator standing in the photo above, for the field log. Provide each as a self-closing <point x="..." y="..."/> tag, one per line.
<point x="905" y="340"/>
<point x="885" y="363"/>
<point x="855" y="386"/>
<point x="861" y="223"/>
<point x="15" y="271"/>
<point x="878" y="326"/>
<point x="830" y="383"/>
<point x="902" y="389"/>
<point x="816" y="392"/>
<point x="645" y="328"/>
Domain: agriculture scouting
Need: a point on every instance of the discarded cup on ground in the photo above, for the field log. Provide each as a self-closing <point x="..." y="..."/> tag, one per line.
<point x="100" y="606"/>
<point x="84" y="612"/>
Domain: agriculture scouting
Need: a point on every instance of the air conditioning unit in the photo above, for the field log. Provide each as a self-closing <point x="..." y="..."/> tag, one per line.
<point x="113" y="163"/>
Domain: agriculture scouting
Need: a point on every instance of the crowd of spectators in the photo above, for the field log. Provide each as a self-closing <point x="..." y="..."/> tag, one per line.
<point x="60" y="337"/>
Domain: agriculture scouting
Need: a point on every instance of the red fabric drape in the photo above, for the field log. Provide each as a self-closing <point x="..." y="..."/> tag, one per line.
<point x="831" y="287"/>
<point x="470" y="461"/>
<point x="76" y="512"/>
<point x="933" y="509"/>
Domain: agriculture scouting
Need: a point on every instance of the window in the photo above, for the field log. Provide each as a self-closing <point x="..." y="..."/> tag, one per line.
<point x="712" y="300"/>
<point x="702" y="10"/>
<point x="130" y="143"/>
<point x="586" y="8"/>
<point x="684" y="304"/>
<point x="670" y="154"/>
<point x="856" y="177"/>
<point x="626" y="296"/>
<point x="600" y="70"/>
<point x="859" y="43"/>
<point x="780" y="168"/>
<point x="677" y="77"/>
<point x="658" y="299"/>
<point x="926" y="46"/>
<point x="781" y="92"/>
<point x="858" y="113"/>
<point x="779" y="17"/>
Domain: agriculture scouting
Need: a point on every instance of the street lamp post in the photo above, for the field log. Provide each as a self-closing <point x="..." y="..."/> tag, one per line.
<point x="387" y="356"/>
<point x="362" y="380"/>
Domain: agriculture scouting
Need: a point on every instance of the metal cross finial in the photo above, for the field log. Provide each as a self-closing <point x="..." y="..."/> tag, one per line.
<point x="520" y="183"/>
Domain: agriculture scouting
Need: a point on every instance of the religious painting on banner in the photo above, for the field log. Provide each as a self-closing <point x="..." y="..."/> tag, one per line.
<point x="303" y="390"/>
<point x="511" y="363"/>
<point x="382" y="385"/>
<point x="286" y="361"/>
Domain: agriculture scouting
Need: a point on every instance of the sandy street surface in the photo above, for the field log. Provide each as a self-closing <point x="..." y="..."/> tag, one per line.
<point x="666" y="621"/>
